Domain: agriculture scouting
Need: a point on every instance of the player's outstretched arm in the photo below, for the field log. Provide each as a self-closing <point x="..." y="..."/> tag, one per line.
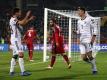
<point x="27" y="19"/>
<point x="95" y="30"/>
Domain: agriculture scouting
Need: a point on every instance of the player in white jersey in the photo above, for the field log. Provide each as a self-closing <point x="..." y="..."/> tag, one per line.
<point x="16" y="29"/>
<point x="87" y="31"/>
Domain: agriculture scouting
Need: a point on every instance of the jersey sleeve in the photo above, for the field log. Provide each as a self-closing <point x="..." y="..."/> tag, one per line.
<point x="93" y="24"/>
<point x="14" y="21"/>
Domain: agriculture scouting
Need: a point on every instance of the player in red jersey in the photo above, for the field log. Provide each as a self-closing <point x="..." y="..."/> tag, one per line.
<point x="29" y="38"/>
<point x="57" y="44"/>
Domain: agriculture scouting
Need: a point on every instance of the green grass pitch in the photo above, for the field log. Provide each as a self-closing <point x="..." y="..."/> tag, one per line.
<point x="79" y="71"/>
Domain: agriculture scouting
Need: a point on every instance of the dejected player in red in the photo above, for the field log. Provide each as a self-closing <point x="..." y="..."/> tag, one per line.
<point x="29" y="38"/>
<point x="57" y="44"/>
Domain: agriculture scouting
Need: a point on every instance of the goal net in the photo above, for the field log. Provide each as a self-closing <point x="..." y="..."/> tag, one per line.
<point x="67" y="20"/>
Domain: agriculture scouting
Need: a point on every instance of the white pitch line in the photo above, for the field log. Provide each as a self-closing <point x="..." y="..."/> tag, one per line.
<point x="38" y="63"/>
<point x="26" y="64"/>
<point x="31" y="64"/>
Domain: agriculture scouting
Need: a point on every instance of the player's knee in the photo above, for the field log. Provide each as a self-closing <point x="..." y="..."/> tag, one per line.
<point x="21" y="55"/>
<point x="85" y="59"/>
<point x="91" y="58"/>
<point x="15" y="57"/>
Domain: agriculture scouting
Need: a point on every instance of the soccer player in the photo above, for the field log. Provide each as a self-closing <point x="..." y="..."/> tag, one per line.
<point x="16" y="30"/>
<point x="57" y="44"/>
<point x="29" y="38"/>
<point x="86" y="31"/>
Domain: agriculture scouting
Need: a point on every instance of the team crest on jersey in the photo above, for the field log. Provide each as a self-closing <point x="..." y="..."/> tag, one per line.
<point x="92" y="20"/>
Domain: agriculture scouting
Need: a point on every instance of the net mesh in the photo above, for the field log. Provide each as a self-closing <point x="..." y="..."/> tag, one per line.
<point x="63" y="17"/>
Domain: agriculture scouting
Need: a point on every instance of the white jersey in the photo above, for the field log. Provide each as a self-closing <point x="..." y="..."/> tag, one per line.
<point x="86" y="28"/>
<point x="16" y="44"/>
<point x="15" y="33"/>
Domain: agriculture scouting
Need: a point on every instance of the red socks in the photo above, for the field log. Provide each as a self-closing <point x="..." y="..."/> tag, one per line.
<point x="66" y="59"/>
<point x="53" y="58"/>
<point x="30" y="55"/>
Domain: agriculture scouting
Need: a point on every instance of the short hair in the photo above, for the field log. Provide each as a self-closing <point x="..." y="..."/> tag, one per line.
<point x="15" y="10"/>
<point x="53" y="19"/>
<point x="81" y="8"/>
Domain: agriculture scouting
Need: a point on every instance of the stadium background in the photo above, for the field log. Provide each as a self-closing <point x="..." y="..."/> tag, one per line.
<point x="37" y="7"/>
<point x="79" y="71"/>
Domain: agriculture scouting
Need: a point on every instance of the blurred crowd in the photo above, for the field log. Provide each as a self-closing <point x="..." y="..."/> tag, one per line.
<point x="37" y="6"/>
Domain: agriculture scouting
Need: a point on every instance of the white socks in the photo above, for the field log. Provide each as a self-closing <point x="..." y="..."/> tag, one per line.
<point x="13" y="63"/>
<point x="93" y="62"/>
<point x="21" y="64"/>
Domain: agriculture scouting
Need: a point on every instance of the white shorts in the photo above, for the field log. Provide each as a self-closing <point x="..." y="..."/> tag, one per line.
<point x="16" y="46"/>
<point x="85" y="47"/>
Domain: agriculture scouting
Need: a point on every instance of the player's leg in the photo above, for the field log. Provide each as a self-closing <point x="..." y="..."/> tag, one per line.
<point x="28" y="47"/>
<point x="21" y="64"/>
<point x="31" y="51"/>
<point x="21" y="61"/>
<point x="91" y="58"/>
<point x="53" y="56"/>
<point x="13" y="62"/>
<point x="66" y="59"/>
<point x="93" y="63"/>
<point x="53" y="59"/>
<point x="61" y="50"/>
<point x="83" y="53"/>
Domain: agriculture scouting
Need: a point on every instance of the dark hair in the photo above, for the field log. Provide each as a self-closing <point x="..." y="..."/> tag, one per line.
<point x="15" y="10"/>
<point x="53" y="19"/>
<point x="81" y="8"/>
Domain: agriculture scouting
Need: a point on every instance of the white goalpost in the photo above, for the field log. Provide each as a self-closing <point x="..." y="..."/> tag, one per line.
<point x="45" y="34"/>
<point x="67" y="20"/>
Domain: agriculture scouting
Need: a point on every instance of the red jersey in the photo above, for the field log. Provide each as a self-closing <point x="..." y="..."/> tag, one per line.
<point x="56" y="34"/>
<point x="30" y="35"/>
<point x="57" y="38"/>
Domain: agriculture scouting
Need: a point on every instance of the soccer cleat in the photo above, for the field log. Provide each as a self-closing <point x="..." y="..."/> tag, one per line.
<point x="69" y="66"/>
<point x="31" y="60"/>
<point x="95" y="72"/>
<point x="49" y="67"/>
<point x="12" y="73"/>
<point x="25" y="73"/>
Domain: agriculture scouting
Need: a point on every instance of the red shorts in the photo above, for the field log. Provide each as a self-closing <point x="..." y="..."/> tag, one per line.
<point x="60" y="48"/>
<point x="30" y="46"/>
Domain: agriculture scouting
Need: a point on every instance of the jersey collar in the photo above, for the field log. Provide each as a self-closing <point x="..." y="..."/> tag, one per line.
<point x="84" y="18"/>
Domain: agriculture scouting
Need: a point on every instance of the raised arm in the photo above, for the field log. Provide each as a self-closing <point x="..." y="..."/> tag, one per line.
<point x="26" y="19"/>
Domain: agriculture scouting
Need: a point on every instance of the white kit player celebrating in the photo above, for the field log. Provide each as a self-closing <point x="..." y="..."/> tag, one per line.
<point x="16" y="26"/>
<point x="86" y="31"/>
